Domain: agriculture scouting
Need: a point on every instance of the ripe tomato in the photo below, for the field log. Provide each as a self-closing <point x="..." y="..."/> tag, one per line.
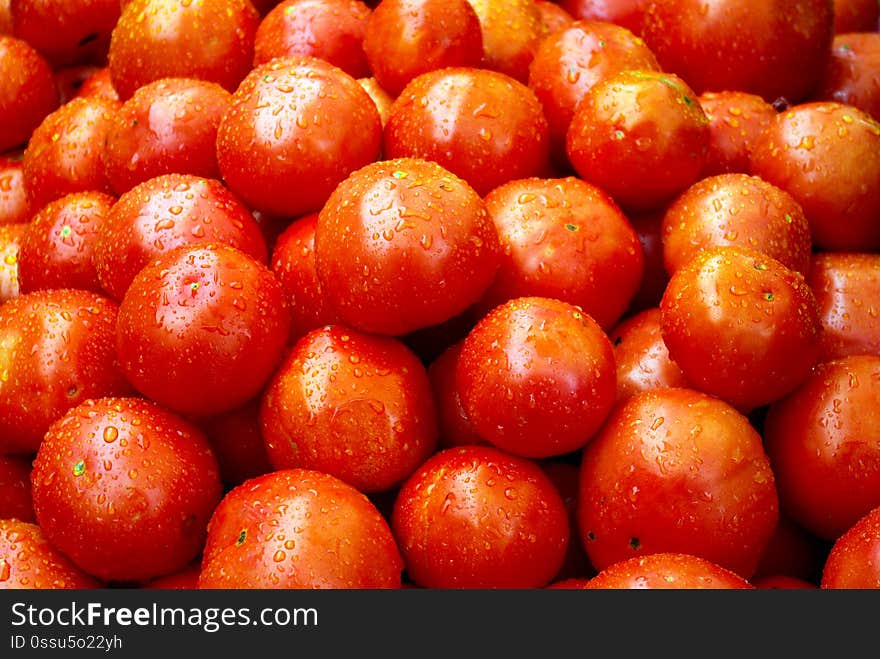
<point x="297" y="528"/>
<point x="667" y="571"/>
<point x="113" y="472"/>
<point x="455" y="427"/>
<point x="352" y="405"/>
<point x="16" y="501"/>
<point x="57" y="349"/>
<point x="477" y="517"/>
<point x="536" y="377"/>
<point x="792" y="552"/>
<point x="740" y="325"/>
<point x="853" y="560"/>
<point x="677" y="470"/>
<point x="27" y="91"/>
<point x="511" y="31"/>
<point x="202" y="328"/>
<point x="10" y="246"/>
<point x="736" y="120"/>
<point x="627" y="13"/>
<point x="853" y="74"/>
<point x="404" y="244"/>
<point x="186" y="579"/>
<point x="297" y="119"/>
<point x="29" y="561"/>
<point x="14" y="206"/>
<point x="553" y="16"/>
<point x="237" y="441"/>
<point x="99" y="84"/>
<point x="856" y="16"/>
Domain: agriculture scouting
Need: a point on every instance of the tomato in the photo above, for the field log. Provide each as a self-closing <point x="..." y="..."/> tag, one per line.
<point x="10" y="245"/>
<point x="641" y="356"/>
<point x="57" y="349"/>
<point x="69" y="32"/>
<point x="736" y="209"/>
<point x="847" y="290"/>
<point x="16" y="501"/>
<point x="564" y="239"/>
<point x="202" y="328"/>
<point x="99" y="84"/>
<point x="64" y="153"/>
<point x="168" y="126"/>
<point x="237" y="441"/>
<point x="572" y="60"/>
<point x="648" y="227"/>
<point x="639" y="135"/>
<point x="824" y="443"/>
<point x="736" y="120"/>
<point x="211" y="40"/>
<point x="677" y="470"/>
<point x="114" y="471"/>
<point x="792" y="552"/>
<point x="296" y="118"/>
<point x="356" y="406"/>
<point x="667" y="571"/>
<point x="856" y="16"/>
<point x="29" y="561"/>
<point x="477" y="517"/>
<point x="740" y="325"/>
<point x="14" y="205"/>
<point x="166" y="212"/>
<point x="404" y="244"/>
<point x="853" y="74"/>
<point x="186" y="579"/>
<point x="626" y="13"/>
<point x="27" y="91"/>
<point x="331" y="30"/>
<point x="772" y="48"/>
<point x="454" y="425"/>
<point x="853" y="561"/>
<point x="297" y="528"/>
<point x="553" y="16"/>
<point x="57" y="246"/>
<point x="827" y="156"/>
<point x="565" y="474"/>
<point x="382" y="99"/>
<point x="550" y="366"/>
<point x="405" y="38"/>
<point x="494" y="132"/>
<point x="511" y="31"/>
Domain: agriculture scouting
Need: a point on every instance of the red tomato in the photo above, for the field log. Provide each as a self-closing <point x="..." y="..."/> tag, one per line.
<point x="667" y="571"/>
<point x="536" y="377"/>
<point x="405" y="38"/>
<point x="115" y="478"/>
<point x="736" y="120"/>
<point x="854" y="560"/>
<point x="331" y="30"/>
<point x="211" y="40"/>
<point x="404" y="244"/>
<point x="202" y="328"/>
<point x="381" y="98"/>
<point x="28" y="561"/>
<point x="166" y="212"/>
<point x="740" y="325"/>
<point x="16" y="501"/>
<point x="627" y="13"/>
<point x="186" y="579"/>
<point x="824" y="442"/>
<point x="476" y="517"/>
<point x="168" y="126"/>
<point x="676" y="470"/>
<point x="455" y="427"/>
<point x="353" y="405"/>
<point x="856" y="16"/>
<point x="648" y="227"/>
<point x="853" y="74"/>
<point x="14" y="206"/>
<point x="772" y="48"/>
<point x="566" y="477"/>
<point x="10" y="246"/>
<point x="295" y="529"/>
<point x="296" y="119"/>
<point x="827" y="156"/>
<point x="237" y="441"/>
<point x="57" y="247"/>
<point x="553" y="16"/>
<point x="99" y="84"/>
<point x="639" y="135"/>
<point x="57" y="349"/>
<point x="27" y="91"/>
<point x="511" y="31"/>
<point x="494" y="132"/>
<point x="792" y="552"/>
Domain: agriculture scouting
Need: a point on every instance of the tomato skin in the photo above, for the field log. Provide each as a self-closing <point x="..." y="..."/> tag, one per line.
<point x="564" y="239"/>
<point x="353" y="405"/>
<point x="237" y="441"/>
<point x="772" y="48"/>
<point x="736" y="209"/>
<point x="403" y="244"/>
<point x="854" y="559"/>
<point x="677" y="470"/>
<point x="639" y="135"/>
<point x="296" y="118"/>
<point x="405" y="38"/>
<point x="57" y="246"/>
<point x="186" y="579"/>
<point x="27" y="91"/>
<point x="565" y="475"/>
<point x="552" y="366"/>
<point x="113" y="471"/>
<point x="740" y="325"/>
<point x="495" y="132"/>
<point x="827" y="156"/>
<point x="825" y="446"/>
<point x="165" y="212"/>
<point x="380" y="97"/>
<point x="736" y="120"/>
<point x="332" y="30"/>
<point x="28" y="561"/>
<point x="10" y="246"/>
<point x="14" y="206"/>
<point x="211" y="40"/>
<point x="16" y="501"/>
<point x="99" y="84"/>
<point x="296" y="529"/>
<point x="856" y="16"/>
<point x="451" y="534"/>
<point x="648" y="227"/>
<point x="853" y="74"/>
<point x="667" y="571"/>
<point x="455" y="427"/>
<point x="626" y="13"/>
<point x="202" y="328"/>
<point x="511" y="31"/>
<point x="553" y="16"/>
<point x="57" y="348"/>
<point x="792" y="552"/>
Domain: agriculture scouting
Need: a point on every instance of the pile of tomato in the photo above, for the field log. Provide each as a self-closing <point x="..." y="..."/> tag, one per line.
<point x="439" y="294"/>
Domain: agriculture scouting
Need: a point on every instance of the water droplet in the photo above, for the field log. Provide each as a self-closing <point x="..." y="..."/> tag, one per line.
<point x="279" y="556"/>
<point x="110" y="434"/>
